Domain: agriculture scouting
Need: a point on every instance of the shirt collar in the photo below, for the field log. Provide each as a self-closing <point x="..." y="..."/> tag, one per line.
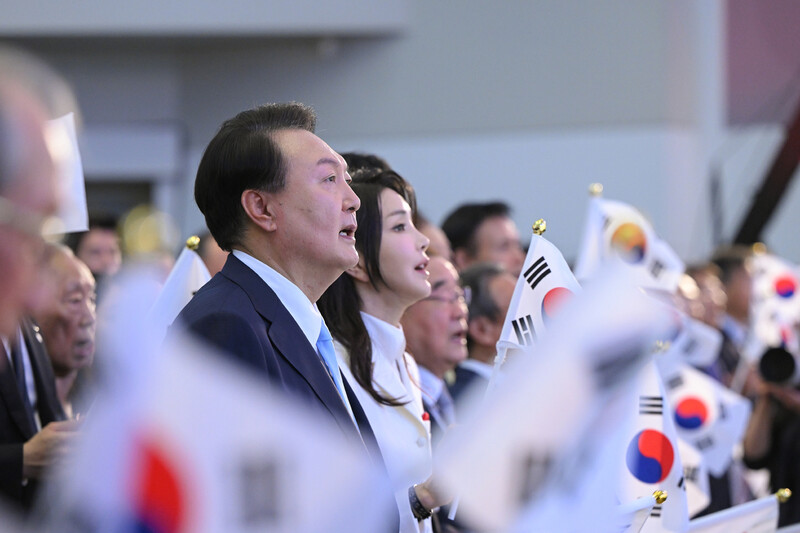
<point x="430" y="384"/>
<point x="479" y="367"/>
<point x="303" y="310"/>
<point x="389" y="340"/>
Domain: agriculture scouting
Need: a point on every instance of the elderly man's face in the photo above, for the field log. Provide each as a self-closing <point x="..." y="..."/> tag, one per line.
<point x="67" y="320"/>
<point x="436" y="326"/>
<point x="30" y="190"/>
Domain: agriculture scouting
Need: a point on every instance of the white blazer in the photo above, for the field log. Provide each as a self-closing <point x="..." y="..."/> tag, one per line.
<point x="403" y="435"/>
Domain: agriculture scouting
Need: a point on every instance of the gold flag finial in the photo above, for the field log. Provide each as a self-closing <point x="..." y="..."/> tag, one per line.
<point x="539" y="227"/>
<point x="661" y="346"/>
<point x="193" y="242"/>
<point x="596" y="189"/>
<point x="660" y="496"/>
<point x="783" y="495"/>
<point x="759" y="248"/>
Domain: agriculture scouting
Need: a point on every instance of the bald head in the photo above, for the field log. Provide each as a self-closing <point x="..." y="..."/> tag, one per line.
<point x="67" y="316"/>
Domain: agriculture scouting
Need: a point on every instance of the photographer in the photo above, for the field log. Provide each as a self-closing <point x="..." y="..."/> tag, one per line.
<point x="772" y="441"/>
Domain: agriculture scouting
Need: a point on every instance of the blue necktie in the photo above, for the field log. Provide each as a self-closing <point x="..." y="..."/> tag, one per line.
<point x="328" y="355"/>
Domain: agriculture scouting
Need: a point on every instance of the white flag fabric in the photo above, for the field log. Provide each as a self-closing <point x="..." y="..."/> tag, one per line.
<point x="709" y="416"/>
<point x="618" y="233"/>
<point x="790" y="529"/>
<point x="633" y="515"/>
<point x="757" y="516"/>
<point x="695" y="476"/>
<point x="184" y="441"/>
<point x="62" y="139"/>
<point x="774" y="305"/>
<point x="545" y="284"/>
<point x="185" y="279"/>
<point x="697" y="344"/>
<point x="533" y="437"/>
<point x="652" y="458"/>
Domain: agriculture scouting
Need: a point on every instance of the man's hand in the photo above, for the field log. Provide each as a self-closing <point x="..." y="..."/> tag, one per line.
<point x="786" y="395"/>
<point x="47" y="446"/>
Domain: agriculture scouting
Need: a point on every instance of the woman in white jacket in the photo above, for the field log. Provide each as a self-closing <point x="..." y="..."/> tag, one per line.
<point x="362" y="310"/>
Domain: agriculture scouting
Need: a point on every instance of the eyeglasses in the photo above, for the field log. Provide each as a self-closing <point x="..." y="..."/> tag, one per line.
<point x="456" y="296"/>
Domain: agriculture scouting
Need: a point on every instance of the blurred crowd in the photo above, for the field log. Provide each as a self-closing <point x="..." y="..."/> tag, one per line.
<point x="413" y="310"/>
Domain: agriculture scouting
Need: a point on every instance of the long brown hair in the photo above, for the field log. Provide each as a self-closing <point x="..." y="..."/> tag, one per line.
<point x="340" y="305"/>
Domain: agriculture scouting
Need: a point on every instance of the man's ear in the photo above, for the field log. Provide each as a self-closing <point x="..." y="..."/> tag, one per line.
<point x="461" y="259"/>
<point x="258" y="207"/>
<point x="358" y="272"/>
<point x="482" y="331"/>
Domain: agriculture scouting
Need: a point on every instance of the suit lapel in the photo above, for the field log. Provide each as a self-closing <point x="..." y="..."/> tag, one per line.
<point x="289" y="340"/>
<point x="49" y="406"/>
<point x="13" y="400"/>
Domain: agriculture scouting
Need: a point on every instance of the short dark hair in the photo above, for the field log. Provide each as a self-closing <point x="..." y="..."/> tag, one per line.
<point x="340" y="305"/>
<point x="243" y="155"/>
<point x="729" y="259"/>
<point x="103" y="221"/>
<point x="462" y="224"/>
<point x="477" y="278"/>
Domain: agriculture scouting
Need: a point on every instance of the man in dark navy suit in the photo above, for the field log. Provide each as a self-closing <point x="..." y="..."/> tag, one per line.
<point x="278" y="198"/>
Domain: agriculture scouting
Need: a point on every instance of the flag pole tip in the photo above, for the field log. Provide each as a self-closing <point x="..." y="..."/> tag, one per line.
<point x="596" y="189"/>
<point x="759" y="248"/>
<point x="783" y="495"/>
<point x="193" y="242"/>
<point x="539" y="227"/>
<point x="660" y="496"/>
<point x="661" y="346"/>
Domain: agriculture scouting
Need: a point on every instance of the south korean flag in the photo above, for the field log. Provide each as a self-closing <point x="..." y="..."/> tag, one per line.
<point x="651" y="457"/>
<point x="617" y="232"/>
<point x="710" y="417"/>
<point x="544" y="285"/>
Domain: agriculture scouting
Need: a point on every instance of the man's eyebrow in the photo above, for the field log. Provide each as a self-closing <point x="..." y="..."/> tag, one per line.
<point x="330" y="161"/>
<point x="438" y="284"/>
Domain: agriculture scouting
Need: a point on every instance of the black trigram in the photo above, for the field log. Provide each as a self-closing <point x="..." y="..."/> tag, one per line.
<point x="536" y="272"/>
<point x="723" y="411"/>
<point x="705" y="442"/>
<point x="656" y="268"/>
<point x="690" y="346"/>
<point x="534" y="469"/>
<point x="606" y="222"/>
<point x="656" y="511"/>
<point x="682" y="483"/>
<point x="690" y="473"/>
<point x="675" y="382"/>
<point x="523" y="327"/>
<point x="260" y="495"/>
<point x="651" y="405"/>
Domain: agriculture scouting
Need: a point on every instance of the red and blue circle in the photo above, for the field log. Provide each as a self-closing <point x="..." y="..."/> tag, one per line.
<point x="159" y="498"/>
<point x="630" y="242"/>
<point x="785" y="286"/>
<point x="650" y="456"/>
<point x="554" y="300"/>
<point x="691" y="413"/>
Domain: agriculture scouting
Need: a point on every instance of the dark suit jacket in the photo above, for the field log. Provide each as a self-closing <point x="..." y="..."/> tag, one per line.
<point x="241" y="315"/>
<point x="16" y="427"/>
<point x="464" y="379"/>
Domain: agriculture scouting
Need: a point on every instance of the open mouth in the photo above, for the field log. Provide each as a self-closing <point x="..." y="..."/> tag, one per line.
<point x="348" y="231"/>
<point x="422" y="266"/>
<point x="460" y="336"/>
